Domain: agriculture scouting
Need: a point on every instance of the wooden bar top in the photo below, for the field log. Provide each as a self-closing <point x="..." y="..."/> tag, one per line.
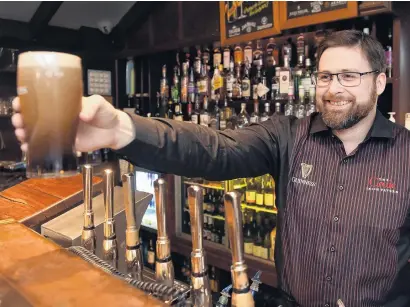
<point x="37" y="200"/>
<point x="37" y="272"/>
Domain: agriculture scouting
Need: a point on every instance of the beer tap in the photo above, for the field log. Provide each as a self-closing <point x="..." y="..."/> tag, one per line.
<point x="164" y="269"/>
<point x="88" y="233"/>
<point x="256" y="281"/>
<point x="241" y="295"/>
<point x="224" y="298"/>
<point x="201" y="292"/>
<point x="110" y="249"/>
<point x="133" y="215"/>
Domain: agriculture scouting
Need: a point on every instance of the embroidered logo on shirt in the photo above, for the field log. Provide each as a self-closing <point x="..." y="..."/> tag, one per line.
<point x="381" y="185"/>
<point x="306" y="170"/>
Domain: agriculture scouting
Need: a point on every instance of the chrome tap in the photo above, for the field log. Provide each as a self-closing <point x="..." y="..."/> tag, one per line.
<point x="224" y="298"/>
<point x="164" y="269"/>
<point x="110" y="249"/>
<point x="241" y="295"/>
<point x="134" y="212"/>
<point x="201" y="292"/>
<point x="88" y="233"/>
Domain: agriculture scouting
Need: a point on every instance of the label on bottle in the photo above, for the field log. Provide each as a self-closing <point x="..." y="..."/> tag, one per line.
<point x="191" y="88"/>
<point x="255" y="92"/>
<point x="256" y="250"/>
<point x="254" y="119"/>
<point x="269" y="200"/>
<point x="250" y="197"/>
<point x="194" y="119"/>
<point x="217" y="83"/>
<point x="227" y="59"/>
<point x="204" y="120"/>
<point x="262" y="90"/>
<point x="197" y="66"/>
<point x="246" y="88"/>
<point x="407" y="121"/>
<point x="248" y="55"/>
<point x="264" y="118"/>
<point x="222" y="124"/>
<point x="289" y="109"/>
<point x="259" y="199"/>
<point x="306" y="82"/>
<point x="229" y="83"/>
<point x="217" y="59"/>
<point x="284" y="81"/>
<point x="263" y="252"/>
<point x="151" y="257"/>
<point x="237" y="90"/>
<point x="388" y="55"/>
<point x="179" y="118"/>
<point x="203" y="86"/>
<point x="248" y="248"/>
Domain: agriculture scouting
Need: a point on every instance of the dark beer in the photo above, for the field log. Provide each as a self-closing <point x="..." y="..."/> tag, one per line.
<point x="50" y="88"/>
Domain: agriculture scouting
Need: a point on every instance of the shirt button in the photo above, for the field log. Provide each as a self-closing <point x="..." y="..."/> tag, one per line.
<point x="344" y="161"/>
<point x="341" y="188"/>
<point x="332" y="249"/>
<point x="327" y="305"/>
<point x="336" y="219"/>
<point x="328" y="278"/>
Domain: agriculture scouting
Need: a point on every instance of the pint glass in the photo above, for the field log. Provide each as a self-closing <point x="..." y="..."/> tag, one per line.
<point x="50" y="88"/>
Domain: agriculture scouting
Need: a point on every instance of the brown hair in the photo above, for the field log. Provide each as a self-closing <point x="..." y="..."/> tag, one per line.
<point x="371" y="47"/>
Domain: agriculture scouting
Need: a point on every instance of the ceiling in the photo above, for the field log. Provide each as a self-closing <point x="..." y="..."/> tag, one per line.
<point x="71" y="14"/>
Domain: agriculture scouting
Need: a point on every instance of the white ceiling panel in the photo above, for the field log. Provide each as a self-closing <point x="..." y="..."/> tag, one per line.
<point x="18" y="10"/>
<point x="74" y="14"/>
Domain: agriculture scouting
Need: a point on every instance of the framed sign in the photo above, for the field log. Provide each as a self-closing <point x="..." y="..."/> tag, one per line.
<point x="295" y="14"/>
<point x="247" y="20"/>
<point x="99" y="82"/>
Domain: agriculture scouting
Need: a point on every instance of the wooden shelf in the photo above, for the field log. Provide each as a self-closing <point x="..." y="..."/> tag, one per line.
<point x="207" y="186"/>
<point x="259" y="209"/>
<point x="219" y="256"/>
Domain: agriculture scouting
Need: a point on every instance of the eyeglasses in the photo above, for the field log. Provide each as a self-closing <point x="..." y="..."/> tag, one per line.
<point x="348" y="79"/>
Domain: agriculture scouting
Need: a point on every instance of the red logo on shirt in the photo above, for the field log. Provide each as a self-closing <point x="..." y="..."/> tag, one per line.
<point x="381" y="185"/>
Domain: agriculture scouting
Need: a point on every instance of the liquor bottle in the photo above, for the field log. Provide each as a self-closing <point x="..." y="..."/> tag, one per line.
<point x="300" y="110"/>
<point x="195" y="114"/>
<point x="217" y="83"/>
<point x="306" y="78"/>
<point x="311" y="107"/>
<point x="186" y="226"/>
<point x="206" y="229"/>
<point x="158" y="106"/>
<point x="258" y="239"/>
<point x="246" y="84"/>
<point x="238" y="55"/>
<point x="151" y="255"/>
<point x="211" y="230"/>
<point x="214" y="280"/>
<point x="178" y="115"/>
<point x="187" y="61"/>
<point x="170" y="112"/>
<point x="259" y="191"/>
<point x="205" y="55"/>
<point x="287" y="51"/>
<point x="250" y="191"/>
<point x="237" y="84"/>
<point x="248" y="54"/>
<point x="191" y="87"/>
<point x="243" y="117"/>
<point x="203" y="84"/>
<point x="255" y="82"/>
<point x="284" y="79"/>
<point x="227" y="57"/>
<point x="266" y="244"/>
<point x="229" y="80"/>
<point x="263" y="88"/>
<point x="272" y="244"/>
<point x="130" y="81"/>
<point x="184" y="83"/>
<point x="223" y="115"/>
<point x="270" y="53"/>
<point x="391" y="116"/>
<point x="300" y="42"/>
<point x="255" y="118"/>
<point x="137" y="105"/>
<point x="215" y="120"/>
<point x="204" y="115"/>
<point x="248" y="235"/>
<point x="164" y="89"/>
<point x="290" y="107"/>
<point x="258" y="55"/>
<point x="388" y="55"/>
<point x="217" y="57"/>
<point x="278" y="108"/>
<point x="175" y="86"/>
<point x="266" y="114"/>
<point x="274" y="94"/>
<point x="269" y="192"/>
<point x="197" y="62"/>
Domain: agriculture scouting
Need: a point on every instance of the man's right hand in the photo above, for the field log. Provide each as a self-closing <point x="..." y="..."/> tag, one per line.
<point x="100" y="126"/>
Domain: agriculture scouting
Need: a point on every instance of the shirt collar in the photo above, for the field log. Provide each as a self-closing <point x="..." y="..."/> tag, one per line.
<point x="381" y="128"/>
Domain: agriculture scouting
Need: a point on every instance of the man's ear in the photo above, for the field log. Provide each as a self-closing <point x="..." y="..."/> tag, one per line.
<point x="381" y="83"/>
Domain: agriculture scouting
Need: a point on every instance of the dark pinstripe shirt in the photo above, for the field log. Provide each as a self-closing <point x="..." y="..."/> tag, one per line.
<point x="344" y="220"/>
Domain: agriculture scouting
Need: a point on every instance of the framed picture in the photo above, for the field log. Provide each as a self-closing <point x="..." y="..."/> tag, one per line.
<point x="242" y="21"/>
<point x="99" y="82"/>
<point x="295" y="14"/>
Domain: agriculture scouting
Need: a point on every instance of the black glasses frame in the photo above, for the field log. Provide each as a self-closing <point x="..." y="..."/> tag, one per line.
<point x="314" y="76"/>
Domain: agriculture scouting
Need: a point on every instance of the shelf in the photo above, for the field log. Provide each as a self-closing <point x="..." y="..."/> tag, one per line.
<point x="219" y="256"/>
<point x="207" y="186"/>
<point x="215" y="217"/>
<point x="259" y="209"/>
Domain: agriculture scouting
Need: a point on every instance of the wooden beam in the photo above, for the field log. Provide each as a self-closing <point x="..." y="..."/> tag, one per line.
<point x="42" y="16"/>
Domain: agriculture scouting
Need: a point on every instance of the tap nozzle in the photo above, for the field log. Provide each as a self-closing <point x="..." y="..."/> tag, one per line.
<point x="88" y="240"/>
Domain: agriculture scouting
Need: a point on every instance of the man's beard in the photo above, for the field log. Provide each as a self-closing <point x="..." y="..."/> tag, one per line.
<point x="339" y="120"/>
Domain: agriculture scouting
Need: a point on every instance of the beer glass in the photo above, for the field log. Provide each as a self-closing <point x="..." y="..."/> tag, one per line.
<point x="50" y="88"/>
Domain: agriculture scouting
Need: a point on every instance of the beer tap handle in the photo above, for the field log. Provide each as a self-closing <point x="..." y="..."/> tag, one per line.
<point x="110" y="249"/>
<point x="201" y="291"/>
<point x="133" y="254"/>
<point x="88" y="234"/>
<point x="241" y="295"/>
<point x="164" y="269"/>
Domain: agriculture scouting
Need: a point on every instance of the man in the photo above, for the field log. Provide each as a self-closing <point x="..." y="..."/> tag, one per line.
<point x="342" y="175"/>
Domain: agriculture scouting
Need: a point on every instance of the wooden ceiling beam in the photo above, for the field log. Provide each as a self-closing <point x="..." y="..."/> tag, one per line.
<point x="42" y="16"/>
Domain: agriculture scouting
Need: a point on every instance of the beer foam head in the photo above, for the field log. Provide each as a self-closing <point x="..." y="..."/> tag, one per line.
<point x="45" y="58"/>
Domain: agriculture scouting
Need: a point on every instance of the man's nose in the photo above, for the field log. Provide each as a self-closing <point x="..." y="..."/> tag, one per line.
<point x="335" y="87"/>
